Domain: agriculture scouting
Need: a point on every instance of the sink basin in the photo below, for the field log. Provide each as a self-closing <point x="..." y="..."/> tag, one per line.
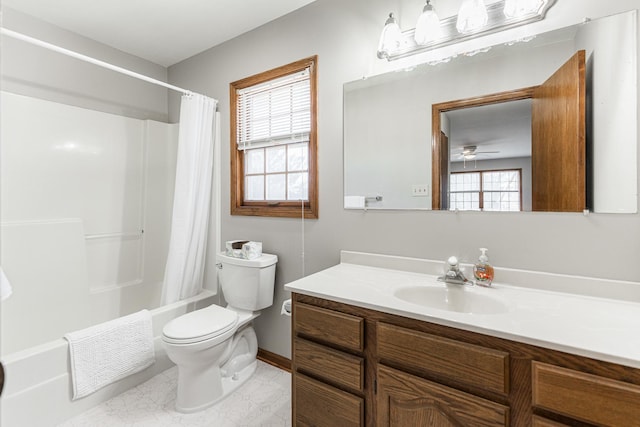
<point x="457" y="299"/>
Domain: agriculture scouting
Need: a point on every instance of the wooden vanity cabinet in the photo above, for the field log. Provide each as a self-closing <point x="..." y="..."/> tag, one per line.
<point x="357" y="367"/>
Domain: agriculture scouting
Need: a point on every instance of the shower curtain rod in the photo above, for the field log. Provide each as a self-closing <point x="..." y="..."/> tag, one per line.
<point x="85" y="58"/>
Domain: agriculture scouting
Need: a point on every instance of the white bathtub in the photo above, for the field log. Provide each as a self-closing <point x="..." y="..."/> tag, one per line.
<point x="37" y="389"/>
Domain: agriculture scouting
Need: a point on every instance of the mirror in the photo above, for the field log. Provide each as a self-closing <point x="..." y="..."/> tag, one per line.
<point x="389" y="137"/>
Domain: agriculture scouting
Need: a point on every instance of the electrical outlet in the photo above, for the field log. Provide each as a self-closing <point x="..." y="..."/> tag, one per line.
<point x="420" y="190"/>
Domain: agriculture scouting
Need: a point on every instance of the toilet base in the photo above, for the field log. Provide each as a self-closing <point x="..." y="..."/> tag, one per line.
<point x="229" y="385"/>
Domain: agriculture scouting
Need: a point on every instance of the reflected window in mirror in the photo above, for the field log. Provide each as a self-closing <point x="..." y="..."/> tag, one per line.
<point x="497" y="191"/>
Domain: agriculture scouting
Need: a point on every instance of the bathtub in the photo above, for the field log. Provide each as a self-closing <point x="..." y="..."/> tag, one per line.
<point x="37" y="389"/>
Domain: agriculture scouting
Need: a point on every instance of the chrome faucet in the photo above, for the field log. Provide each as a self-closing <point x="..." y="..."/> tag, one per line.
<point x="454" y="275"/>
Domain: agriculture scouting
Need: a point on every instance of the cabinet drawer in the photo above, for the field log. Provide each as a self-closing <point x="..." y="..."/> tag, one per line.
<point x="543" y="422"/>
<point x="317" y="404"/>
<point x="585" y="397"/>
<point x="333" y="365"/>
<point x="329" y="326"/>
<point x="406" y="400"/>
<point x="469" y="364"/>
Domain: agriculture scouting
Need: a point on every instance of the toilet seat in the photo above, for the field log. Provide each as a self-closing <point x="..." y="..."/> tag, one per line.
<point x="201" y="325"/>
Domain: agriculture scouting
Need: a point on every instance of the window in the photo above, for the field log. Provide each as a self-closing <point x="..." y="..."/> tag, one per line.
<point x="499" y="190"/>
<point x="274" y="142"/>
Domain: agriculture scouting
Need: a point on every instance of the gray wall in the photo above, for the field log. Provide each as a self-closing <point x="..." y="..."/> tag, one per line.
<point x="345" y="35"/>
<point x="34" y="71"/>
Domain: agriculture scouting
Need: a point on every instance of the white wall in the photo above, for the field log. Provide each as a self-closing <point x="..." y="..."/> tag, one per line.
<point x="34" y="71"/>
<point x="614" y="184"/>
<point x="345" y="34"/>
<point x="86" y="214"/>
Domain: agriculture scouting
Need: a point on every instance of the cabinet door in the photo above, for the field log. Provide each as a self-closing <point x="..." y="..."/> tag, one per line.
<point x="406" y="400"/>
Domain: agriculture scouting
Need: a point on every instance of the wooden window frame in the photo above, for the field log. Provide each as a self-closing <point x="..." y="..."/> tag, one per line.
<point x="283" y="209"/>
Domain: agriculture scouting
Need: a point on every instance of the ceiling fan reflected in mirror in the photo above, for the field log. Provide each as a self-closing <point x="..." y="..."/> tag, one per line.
<point x="470" y="152"/>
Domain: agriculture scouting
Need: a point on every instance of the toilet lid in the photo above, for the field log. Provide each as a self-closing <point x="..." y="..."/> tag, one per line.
<point x="201" y="324"/>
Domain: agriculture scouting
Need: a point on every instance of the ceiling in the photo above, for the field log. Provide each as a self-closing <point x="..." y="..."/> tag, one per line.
<point x="162" y="31"/>
<point x="504" y="129"/>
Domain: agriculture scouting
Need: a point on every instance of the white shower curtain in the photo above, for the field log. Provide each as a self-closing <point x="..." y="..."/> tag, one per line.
<point x="192" y="199"/>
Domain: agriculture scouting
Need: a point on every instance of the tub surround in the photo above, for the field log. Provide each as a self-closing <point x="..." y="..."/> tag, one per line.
<point x="86" y="215"/>
<point x="589" y="317"/>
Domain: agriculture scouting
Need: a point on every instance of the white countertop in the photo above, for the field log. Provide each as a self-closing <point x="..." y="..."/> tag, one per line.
<point x="596" y="327"/>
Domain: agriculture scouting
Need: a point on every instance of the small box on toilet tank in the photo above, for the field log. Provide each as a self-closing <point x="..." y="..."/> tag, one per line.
<point x="245" y="249"/>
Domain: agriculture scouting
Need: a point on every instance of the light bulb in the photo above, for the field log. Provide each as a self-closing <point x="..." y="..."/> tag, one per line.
<point x="390" y="37"/>
<point x="472" y="16"/>
<point x="428" y="26"/>
<point x="517" y="8"/>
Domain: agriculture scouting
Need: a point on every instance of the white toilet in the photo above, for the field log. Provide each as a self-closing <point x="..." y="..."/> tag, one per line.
<point x="215" y="348"/>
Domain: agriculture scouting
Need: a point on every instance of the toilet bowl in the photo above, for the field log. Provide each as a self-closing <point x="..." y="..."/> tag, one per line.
<point x="215" y="347"/>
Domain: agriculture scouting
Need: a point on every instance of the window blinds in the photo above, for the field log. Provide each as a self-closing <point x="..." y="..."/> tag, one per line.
<point x="275" y="112"/>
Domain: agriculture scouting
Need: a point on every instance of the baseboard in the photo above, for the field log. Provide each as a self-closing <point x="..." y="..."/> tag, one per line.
<point x="274" y="359"/>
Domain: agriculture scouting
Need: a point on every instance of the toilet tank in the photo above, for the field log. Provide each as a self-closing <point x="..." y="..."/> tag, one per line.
<point x="247" y="284"/>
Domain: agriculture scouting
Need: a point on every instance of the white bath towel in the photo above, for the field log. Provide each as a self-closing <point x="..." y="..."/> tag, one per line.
<point x="110" y="351"/>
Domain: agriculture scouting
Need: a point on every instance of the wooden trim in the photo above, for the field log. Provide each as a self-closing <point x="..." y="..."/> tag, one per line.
<point x="274" y="359"/>
<point x="436" y="109"/>
<point x="282" y="209"/>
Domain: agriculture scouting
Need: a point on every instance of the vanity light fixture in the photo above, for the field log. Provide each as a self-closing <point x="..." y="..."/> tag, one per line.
<point x="428" y="25"/>
<point x="474" y="19"/>
<point x="516" y="8"/>
<point x="472" y="16"/>
<point x="390" y="37"/>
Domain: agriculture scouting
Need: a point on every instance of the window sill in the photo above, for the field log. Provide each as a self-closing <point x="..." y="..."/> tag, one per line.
<point x="275" y="211"/>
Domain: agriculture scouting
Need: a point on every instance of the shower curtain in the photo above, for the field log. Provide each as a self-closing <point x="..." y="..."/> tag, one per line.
<point x="192" y="199"/>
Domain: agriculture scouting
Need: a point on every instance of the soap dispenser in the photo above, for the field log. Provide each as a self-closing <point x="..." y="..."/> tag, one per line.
<point x="482" y="270"/>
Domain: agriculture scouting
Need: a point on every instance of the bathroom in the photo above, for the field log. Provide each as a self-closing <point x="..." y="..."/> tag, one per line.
<point x="344" y="36"/>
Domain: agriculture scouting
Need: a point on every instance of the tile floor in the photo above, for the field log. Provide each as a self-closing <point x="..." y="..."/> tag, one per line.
<point x="264" y="401"/>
